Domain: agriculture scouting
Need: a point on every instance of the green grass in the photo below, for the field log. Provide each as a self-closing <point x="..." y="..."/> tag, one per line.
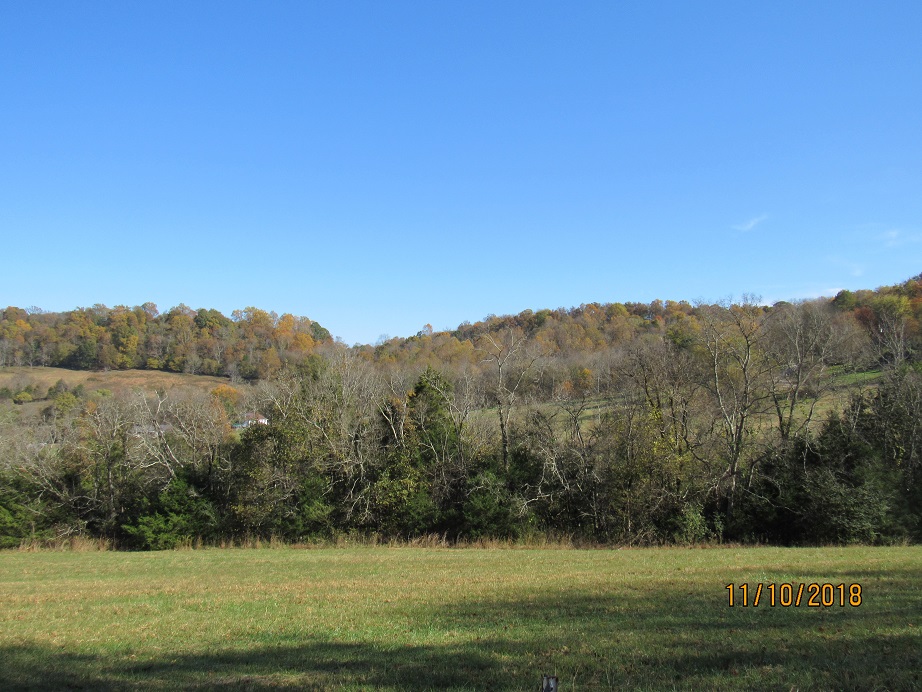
<point x="850" y="378"/>
<point x="381" y="618"/>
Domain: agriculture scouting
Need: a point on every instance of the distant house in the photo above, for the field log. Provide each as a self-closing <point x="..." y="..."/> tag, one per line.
<point x="251" y="419"/>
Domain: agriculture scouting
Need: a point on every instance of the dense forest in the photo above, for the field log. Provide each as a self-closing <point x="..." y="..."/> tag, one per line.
<point x="634" y="423"/>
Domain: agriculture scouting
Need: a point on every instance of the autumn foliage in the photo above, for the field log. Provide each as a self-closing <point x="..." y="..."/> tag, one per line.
<point x="252" y="344"/>
<point x="655" y="423"/>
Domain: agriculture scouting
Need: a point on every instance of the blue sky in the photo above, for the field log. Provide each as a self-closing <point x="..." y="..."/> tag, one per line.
<point x="377" y="166"/>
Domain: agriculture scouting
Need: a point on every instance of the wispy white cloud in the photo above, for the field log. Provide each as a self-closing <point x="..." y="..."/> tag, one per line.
<point x="752" y="223"/>
<point x="896" y="237"/>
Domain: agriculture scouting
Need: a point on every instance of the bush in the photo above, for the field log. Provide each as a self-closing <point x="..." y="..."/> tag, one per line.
<point x="180" y="516"/>
<point x="832" y="490"/>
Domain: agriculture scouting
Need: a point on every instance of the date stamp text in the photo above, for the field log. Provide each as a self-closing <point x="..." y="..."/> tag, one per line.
<point x="788" y="595"/>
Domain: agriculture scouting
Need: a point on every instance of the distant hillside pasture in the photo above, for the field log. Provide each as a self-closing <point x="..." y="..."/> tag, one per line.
<point x="113" y="380"/>
<point x="400" y="618"/>
<point x="41" y="379"/>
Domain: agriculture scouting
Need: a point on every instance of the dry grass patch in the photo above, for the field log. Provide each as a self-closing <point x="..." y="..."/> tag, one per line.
<point x="113" y="380"/>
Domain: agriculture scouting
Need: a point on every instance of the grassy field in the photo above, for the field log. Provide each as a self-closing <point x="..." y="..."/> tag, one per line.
<point x="416" y="618"/>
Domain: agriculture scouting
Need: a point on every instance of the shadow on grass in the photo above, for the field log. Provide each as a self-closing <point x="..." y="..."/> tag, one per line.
<point x="308" y="666"/>
<point x="672" y="636"/>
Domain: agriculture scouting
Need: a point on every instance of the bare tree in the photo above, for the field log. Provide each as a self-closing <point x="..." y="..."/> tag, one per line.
<point x="669" y="379"/>
<point x="512" y="358"/>
<point x="802" y="341"/>
<point x="732" y="337"/>
<point x="393" y="406"/>
<point x="891" y="337"/>
<point x="340" y="408"/>
<point x="181" y="429"/>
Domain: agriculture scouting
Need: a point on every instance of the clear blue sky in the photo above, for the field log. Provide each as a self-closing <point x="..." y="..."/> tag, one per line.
<point x="381" y="165"/>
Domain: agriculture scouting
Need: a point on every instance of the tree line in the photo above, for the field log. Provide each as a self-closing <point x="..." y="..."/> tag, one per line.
<point x="251" y="344"/>
<point x="797" y="423"/>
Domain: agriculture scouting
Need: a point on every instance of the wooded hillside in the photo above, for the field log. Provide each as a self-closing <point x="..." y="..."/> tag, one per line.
<point x="631" y="423"/>
<point x="251" y="344"/>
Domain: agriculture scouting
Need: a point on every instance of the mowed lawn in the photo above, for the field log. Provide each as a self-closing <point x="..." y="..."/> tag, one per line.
<point x="407" y="618"/>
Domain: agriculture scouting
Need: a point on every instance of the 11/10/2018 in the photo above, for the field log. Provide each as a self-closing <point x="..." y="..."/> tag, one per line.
<point x="787" y="594"/>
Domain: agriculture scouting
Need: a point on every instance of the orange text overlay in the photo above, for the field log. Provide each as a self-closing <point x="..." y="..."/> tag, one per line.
<point x="788" y="594"/>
